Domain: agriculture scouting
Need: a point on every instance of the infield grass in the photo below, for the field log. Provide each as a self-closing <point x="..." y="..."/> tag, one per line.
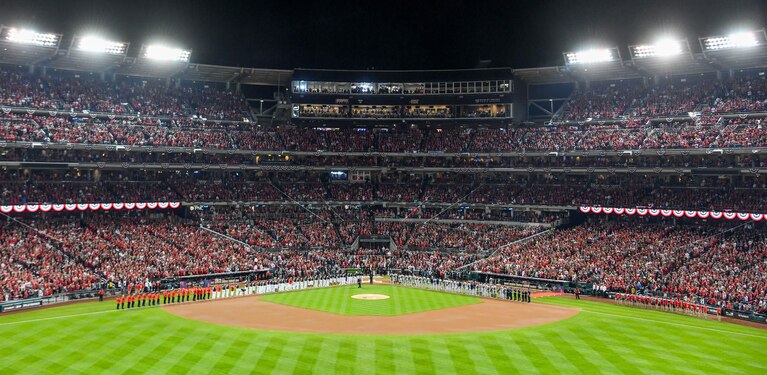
<point x="93" y="338"/>
<point x="339" y="300"/>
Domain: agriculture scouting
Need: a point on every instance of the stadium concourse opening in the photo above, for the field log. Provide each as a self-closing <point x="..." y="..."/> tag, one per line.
<point x="488" y="315"/>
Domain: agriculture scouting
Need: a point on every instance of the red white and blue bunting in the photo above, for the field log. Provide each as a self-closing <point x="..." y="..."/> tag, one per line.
<point x="87" y="207"/>
<point x="674" y="213"/>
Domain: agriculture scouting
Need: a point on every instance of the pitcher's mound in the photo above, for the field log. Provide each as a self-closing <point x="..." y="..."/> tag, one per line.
<point x="370" y="296"/>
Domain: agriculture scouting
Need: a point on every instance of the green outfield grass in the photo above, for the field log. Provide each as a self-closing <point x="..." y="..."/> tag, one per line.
<point x="401" y="301"/>
<point x="93" y="338"/>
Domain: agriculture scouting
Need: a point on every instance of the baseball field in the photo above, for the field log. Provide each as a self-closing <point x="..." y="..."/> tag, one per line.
<point x="250" y="335"/>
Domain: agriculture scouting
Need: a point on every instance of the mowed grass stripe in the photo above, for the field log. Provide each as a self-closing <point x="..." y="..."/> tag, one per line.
<point x="366" y="352"/>
<point x="602" y="339"/>
<point x="346" y="356"/>
<point x="222" y="347"/>
<point x="441" y="357"/>
<point x="586" y="353"/>
<point x="507" y="357"/>
<point x="653" y="317"/>
<point x="326" y="356"/>
<point x="289" y="358"/>
<point x="251" y="353"/>
<point x="44" y="352"/>
<point x="267" y="359"/>
<point x="484" y="362"/>
<point x="462" y="360"/>
<point x="384" y="358"/>
<point x="338" y="300"/>
<point x="236" y="349"/>
<point x="405" y="361"/>
<point x="423" y="360"/>
<point x="540" y="340"/>
<point x="307" y="358"/>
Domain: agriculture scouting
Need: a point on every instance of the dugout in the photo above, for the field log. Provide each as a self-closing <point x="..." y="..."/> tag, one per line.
<point x="523" y="281"/>
<point x="214" y="278"/>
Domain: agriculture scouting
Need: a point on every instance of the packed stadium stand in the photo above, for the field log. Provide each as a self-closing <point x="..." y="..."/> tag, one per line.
<point x="434" y="173"/>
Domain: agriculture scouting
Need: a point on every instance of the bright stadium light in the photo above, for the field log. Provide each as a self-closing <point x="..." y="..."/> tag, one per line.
<point x="661" y="48"/>
<point x="27" y="36"/>
<point x="736" y="40"/>
<point x="591" y="56"/>
<point x="747" y="39"/>
<point x="100" y="45"/>
<point x="164" y="53"/>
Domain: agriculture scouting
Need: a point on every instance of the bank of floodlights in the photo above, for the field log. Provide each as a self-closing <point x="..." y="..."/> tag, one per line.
<point x="592" y="56"/>
<point x="663" y="48"/>
<point x="740" y="40"/>
<point x="96" y="44"/>
<point x="160" y="52"/>
<point x="29" y="37"/>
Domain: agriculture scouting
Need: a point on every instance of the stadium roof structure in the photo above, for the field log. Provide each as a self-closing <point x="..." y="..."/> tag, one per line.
<point x="709" y="61"/>
<point x="634" y="69"/>
<point x="73" y="59"/>
<point x="402" y="76"/>
<point x="713" y="58"/>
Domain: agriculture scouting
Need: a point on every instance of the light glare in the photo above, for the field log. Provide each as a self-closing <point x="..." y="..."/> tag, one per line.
<point x="26" y="36"/>
<point x="590" y="56"/>
<point x="164" y="53"/>
<point x="96" y="44"/>
<point x="737" y="40"/>
<point x="744" y="39"/>
<point x="662" y="48"/>
<point x="668" y="47"/>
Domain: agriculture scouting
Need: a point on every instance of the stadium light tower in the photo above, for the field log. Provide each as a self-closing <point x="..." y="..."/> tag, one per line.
<point x="664" y="48"/>
<point x="96" y="44"/>
<point x="30" y="37"/>
<point x="739" y="40"/>
<point x="165" y="53"/>
<point x="591" y="56"/>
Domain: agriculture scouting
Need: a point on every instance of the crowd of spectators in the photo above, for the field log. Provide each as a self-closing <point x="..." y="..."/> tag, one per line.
<point x="35" y="265"/>
<point x="632" y="99"/>
<point x="67" y="253"/>
<point x="720" y="265"/>
<point x="689" y="134"/>
<point x="708" y="194"/>
<point x="470" y="238"/>
<point x="77" y="93"/>
<point x="183" y="107"/>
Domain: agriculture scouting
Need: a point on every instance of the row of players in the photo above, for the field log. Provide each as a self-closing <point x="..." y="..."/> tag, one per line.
<point x="122" y="97"/>
<point x="700" y="193"/>
<point x="708" y="132"/>
<point x="715" y="264"/>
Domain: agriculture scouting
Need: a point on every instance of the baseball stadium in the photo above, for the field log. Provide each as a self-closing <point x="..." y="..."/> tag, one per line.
<point x="189" y="197"/>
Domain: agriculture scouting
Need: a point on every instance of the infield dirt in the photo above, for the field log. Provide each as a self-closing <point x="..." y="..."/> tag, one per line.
<point x="489" y="315"/>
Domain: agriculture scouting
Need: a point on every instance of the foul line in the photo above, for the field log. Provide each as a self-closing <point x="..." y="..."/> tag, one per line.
<point x="60" y="317"/>
<point x="676" y="324"/>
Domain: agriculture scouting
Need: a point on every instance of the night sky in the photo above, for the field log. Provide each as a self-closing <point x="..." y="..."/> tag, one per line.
<point x="415" y="34"/>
